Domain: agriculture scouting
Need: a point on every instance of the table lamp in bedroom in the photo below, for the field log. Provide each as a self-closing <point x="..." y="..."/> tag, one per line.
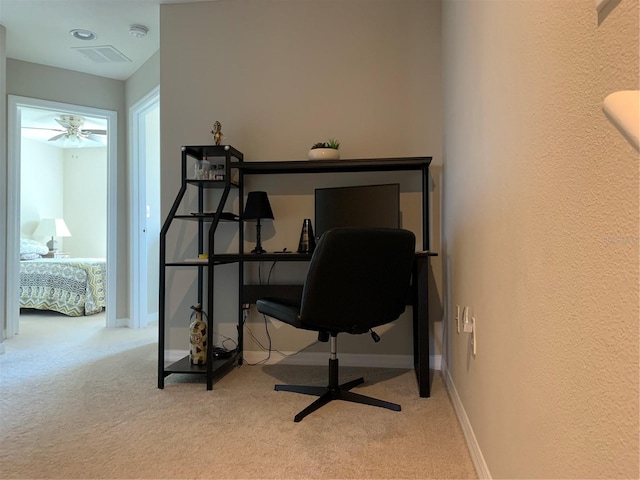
<point x="52" y="227"/>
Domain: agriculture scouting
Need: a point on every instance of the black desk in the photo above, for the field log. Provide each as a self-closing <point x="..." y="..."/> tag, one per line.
<point x="418" y="299"/>
<point x="234" y="163"/>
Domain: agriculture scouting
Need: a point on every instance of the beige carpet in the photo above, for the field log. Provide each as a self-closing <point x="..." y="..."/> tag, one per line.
<point x="80" y="401"/>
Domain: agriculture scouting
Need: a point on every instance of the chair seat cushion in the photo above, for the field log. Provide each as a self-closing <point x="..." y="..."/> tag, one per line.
<point x="282" y="309"/>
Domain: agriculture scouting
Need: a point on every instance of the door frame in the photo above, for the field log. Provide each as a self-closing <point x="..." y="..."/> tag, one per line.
<point x="15" y="103"/>
<point x="138" y="265"/>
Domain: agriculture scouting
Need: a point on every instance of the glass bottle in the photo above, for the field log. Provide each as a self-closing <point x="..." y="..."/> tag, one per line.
<point x="202" y="169"/>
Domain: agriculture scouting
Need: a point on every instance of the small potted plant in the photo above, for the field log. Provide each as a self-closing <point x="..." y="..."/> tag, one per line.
<point x="325" y="150"/>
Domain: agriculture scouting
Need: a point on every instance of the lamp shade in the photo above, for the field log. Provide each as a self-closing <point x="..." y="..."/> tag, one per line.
<point x="258" y="206"/>
<point x="52" y="227"/>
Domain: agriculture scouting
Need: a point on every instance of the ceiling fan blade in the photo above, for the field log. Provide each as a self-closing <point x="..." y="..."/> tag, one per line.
<point x="95" y="132"/>
<point x="64" y="124"/>
<point x="95" y="138"/>
<point x="53" y="139"/>
<point x="44" y="128"/>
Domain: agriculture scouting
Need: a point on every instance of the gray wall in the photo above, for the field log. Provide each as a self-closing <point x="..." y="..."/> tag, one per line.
<point x="60" y="85"/>
<point x="3" y="176"/>
<point x="541" y="235"/>
<point x="55" y="84"/>
<point x="279" y="79"/>
<point x="145" y="79"/>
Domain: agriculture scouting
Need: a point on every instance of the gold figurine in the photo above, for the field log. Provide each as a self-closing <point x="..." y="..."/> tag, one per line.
<point x="217" y="132"/>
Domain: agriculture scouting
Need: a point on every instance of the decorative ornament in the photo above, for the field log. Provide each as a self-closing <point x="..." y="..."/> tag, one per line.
<point x="307" y="241"/>
<point x="198" y="337"/>
<point x="217" y="133"/>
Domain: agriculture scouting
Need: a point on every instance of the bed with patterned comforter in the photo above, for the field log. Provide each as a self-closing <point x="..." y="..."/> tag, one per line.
<point x="72" y="286"/>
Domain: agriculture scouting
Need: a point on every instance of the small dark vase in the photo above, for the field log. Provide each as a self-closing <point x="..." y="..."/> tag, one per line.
<point x="307" y="241"/>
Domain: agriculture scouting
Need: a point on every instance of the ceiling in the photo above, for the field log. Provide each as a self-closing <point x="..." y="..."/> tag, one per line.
<point x="38" y="32"/>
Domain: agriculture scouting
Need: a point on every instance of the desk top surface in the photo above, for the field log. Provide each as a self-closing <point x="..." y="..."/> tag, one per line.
<point x="318" y="166"/>
<point x="285" y="256"/>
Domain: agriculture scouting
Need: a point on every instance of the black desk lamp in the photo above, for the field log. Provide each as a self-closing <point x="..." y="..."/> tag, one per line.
<point x="257" y="208"/>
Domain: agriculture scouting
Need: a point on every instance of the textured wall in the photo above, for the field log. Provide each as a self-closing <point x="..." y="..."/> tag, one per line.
<point x="59" y="85"/>
<point x="279" y="79"/>
<point x="541" y="234"/>
<point x="3" y="174"/>
<point x="38" y="200"/>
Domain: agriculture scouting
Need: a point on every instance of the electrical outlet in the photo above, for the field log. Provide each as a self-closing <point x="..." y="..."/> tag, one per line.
<point x="458" y="317"/>
<point x="466" y="323"/>
<point x="474" y="342"/>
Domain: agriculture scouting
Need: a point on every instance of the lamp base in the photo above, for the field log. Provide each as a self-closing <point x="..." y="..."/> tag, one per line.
<point x="258" y="248"/>
<point x="53" y="245"/>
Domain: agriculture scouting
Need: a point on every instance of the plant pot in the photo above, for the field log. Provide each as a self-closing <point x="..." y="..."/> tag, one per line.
<point x="324" y="154"/>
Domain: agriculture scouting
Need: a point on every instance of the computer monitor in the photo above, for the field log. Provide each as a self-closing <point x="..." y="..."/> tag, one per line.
<point x="358" y="206"/>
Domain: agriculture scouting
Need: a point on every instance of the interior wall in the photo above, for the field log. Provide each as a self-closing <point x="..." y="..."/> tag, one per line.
<point x="85" y="201"/>
<point x="278" y="83"/>
<point x="75" y="190"/>
<point x="40" y="199"/>
<point x="65" y="86"/>
<point x="152" y="161"/>
<point x="145" y="79"/>
<point x="541" y="234"/>
<point x="3" y="174"/>
<point x="137" y="87"/>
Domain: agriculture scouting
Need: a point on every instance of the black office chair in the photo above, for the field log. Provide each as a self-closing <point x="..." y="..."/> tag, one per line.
<point x="358" y="279"/>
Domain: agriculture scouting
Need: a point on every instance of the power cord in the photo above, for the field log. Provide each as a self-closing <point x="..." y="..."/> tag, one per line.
<point x="268" y="348"/>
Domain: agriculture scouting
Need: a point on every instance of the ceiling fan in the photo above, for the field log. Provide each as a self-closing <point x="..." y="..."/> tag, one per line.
<point x="73" y="130"/>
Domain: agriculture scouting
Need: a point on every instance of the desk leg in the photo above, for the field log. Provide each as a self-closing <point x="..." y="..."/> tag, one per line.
<point x="421" y="325"/>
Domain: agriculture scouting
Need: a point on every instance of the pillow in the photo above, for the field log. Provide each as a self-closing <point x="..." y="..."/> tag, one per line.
<point x="29" y="256"/>
<point x="31" y="246"/>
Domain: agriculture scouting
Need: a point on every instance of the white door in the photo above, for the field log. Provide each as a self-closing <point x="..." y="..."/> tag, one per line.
<point x="145" y="218"/>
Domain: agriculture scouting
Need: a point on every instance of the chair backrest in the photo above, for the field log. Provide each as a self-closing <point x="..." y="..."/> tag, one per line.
<point x="358" y="278"/>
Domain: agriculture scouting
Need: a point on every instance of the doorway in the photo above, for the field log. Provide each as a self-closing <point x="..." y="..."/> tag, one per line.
<point x="16" y="106"/>
<point x="145" y="218"/>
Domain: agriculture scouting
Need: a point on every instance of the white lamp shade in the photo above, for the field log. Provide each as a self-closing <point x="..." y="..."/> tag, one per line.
<point x="52" y="227"/>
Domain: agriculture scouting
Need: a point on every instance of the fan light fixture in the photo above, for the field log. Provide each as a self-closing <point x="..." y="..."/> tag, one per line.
<point x="74" y="133"/>
<point x="138" y="31"/>
<point x="82" y="34"/>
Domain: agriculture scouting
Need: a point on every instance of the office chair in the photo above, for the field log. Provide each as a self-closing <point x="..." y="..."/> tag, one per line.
<point x="358" y="278"/>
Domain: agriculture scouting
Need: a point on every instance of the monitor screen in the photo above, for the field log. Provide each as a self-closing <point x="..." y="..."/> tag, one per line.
<point x="360" y="206"/>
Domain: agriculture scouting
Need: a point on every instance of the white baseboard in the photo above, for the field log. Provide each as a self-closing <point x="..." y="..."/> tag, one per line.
<point x="435" y="362"/>
<point x="346" y="359"/>
<point x="474" y="449"/>
<point x="128" y="322"/>
<point x="321" y="358"/>
<point x="316" y="358"/>
<point x="152" y="317"/>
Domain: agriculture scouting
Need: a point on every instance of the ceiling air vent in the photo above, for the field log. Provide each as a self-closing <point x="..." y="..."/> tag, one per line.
<point x="102" y="54"/>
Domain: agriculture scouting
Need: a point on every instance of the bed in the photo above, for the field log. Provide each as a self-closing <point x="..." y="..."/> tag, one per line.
<point x="72" y="286"/>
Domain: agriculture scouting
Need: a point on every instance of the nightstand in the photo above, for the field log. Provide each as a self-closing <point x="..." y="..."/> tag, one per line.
<point x="56" y="255"/>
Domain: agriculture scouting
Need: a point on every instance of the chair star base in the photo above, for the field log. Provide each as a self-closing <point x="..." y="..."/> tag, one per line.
<point x="334" y="392"/>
